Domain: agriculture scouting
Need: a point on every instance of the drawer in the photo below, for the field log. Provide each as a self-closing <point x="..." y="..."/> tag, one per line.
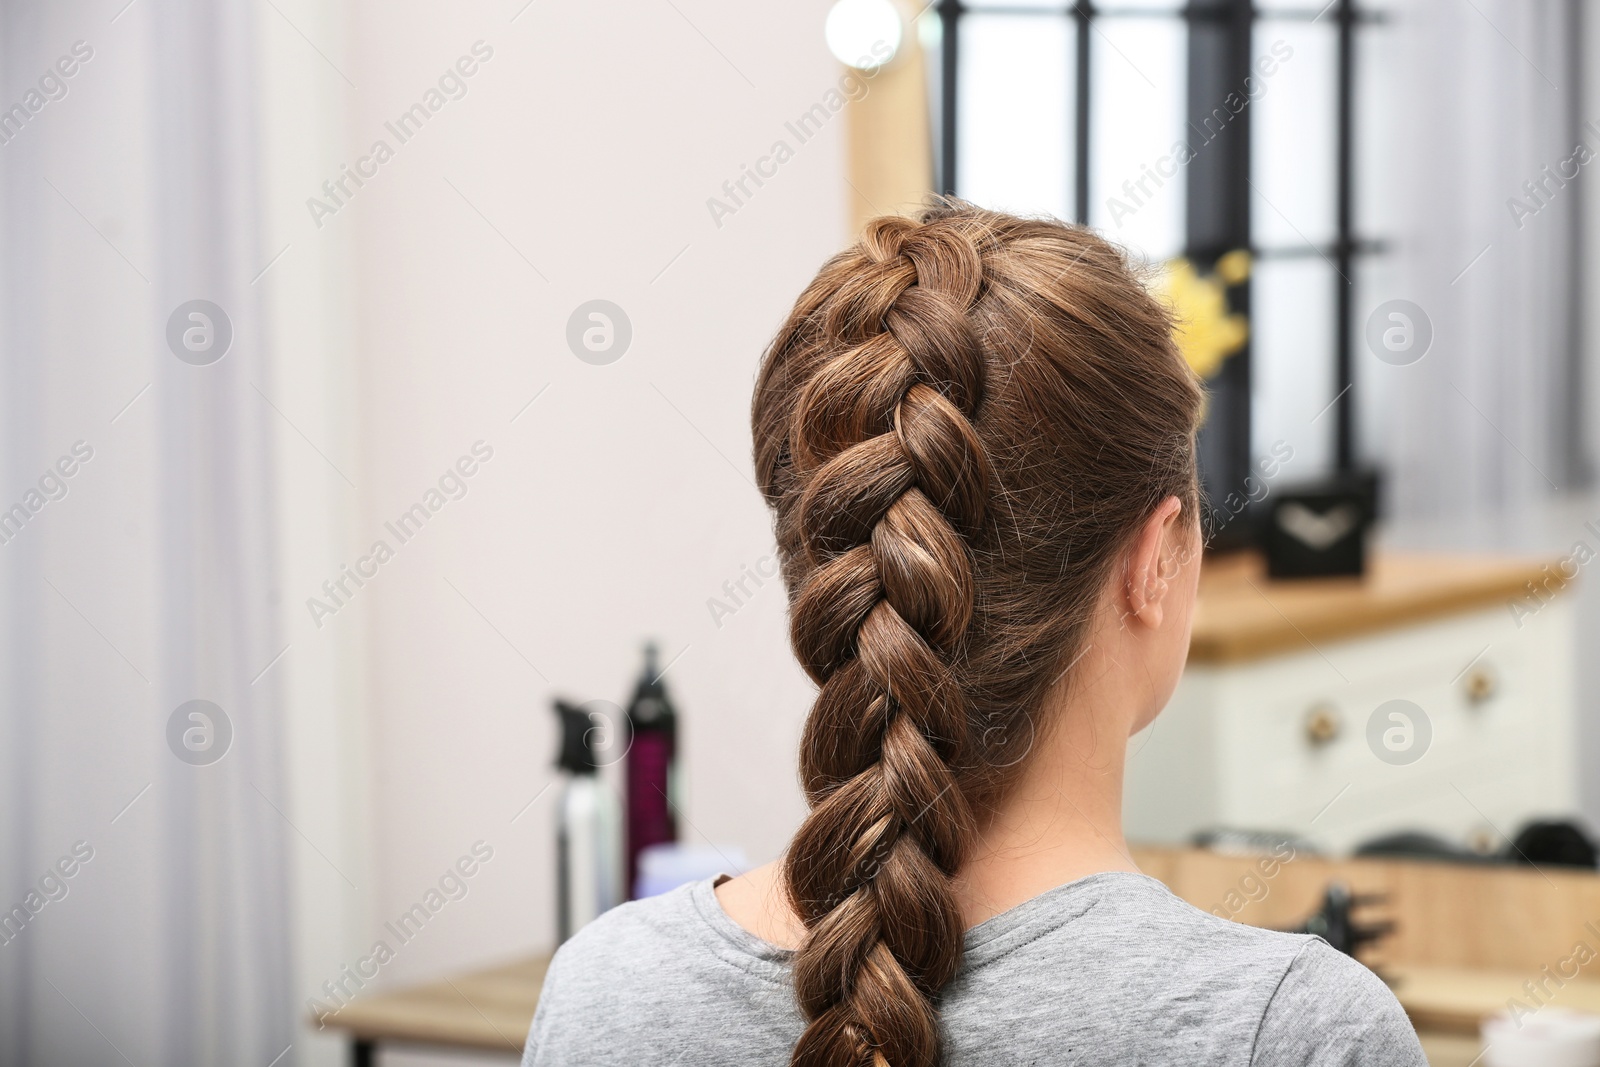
<point x="1292" y="742"/>
<point x="1280" y="739"/>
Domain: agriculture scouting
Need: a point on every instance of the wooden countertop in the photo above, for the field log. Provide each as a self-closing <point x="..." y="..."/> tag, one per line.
<point x="1242" y="615"/>
<point x="489" y="1010"/>
<point x="1451" y="1050"/>
<point x="1447" y="1000"/>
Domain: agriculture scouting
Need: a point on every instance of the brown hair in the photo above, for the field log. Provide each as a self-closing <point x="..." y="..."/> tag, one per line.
<point x="959" y="427"/>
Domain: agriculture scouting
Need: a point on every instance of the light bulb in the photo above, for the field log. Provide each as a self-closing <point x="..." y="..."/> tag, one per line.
<point x="864" y="34"/>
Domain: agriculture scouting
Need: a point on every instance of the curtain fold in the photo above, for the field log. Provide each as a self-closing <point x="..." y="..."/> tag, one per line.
<point x="144" y="581"/>
<point x="1482" y="172"/>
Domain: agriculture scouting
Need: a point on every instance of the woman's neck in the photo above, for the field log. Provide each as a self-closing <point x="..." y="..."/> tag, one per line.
<point x="1061" y="820"/>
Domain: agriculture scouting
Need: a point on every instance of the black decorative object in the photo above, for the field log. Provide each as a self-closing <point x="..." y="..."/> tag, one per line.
<point x="1336" y="924"/>
<point x="1421" y="845"/>
<point x="1557" y="843"/>
<point x="1320" y="530"/>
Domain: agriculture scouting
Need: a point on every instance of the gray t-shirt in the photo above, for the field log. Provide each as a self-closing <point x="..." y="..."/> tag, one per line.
<point x="1108" y="971"/>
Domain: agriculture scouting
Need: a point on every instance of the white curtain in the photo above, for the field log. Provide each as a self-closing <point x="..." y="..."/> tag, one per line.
<point x="1471" y="101"/>
<point x="145" y="578"/>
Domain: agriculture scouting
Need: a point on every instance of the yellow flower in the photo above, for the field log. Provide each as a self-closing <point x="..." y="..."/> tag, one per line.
<point x="1205" y="331"/>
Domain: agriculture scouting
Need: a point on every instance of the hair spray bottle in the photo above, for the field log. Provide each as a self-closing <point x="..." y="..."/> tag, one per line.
<point x="650" y="768"/>
<point x="586" y="827"/>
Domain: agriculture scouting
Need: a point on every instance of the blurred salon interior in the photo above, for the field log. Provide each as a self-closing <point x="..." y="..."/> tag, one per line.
<point x="384" y="587"/>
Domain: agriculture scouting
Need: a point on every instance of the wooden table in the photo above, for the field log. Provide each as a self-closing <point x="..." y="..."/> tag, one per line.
<point x="484" y="1011"/>
<point x="1446" y="1005"/>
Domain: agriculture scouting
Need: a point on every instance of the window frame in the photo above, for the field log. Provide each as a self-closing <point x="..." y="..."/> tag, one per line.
<point x="1218" y="192"/>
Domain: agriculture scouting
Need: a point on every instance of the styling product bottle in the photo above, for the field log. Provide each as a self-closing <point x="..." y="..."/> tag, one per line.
<point x="650" y="768"/>
<point x="586" y="826"/>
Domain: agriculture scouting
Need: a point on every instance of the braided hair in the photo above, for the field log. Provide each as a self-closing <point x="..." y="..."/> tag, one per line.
<point x="962" y="421"/>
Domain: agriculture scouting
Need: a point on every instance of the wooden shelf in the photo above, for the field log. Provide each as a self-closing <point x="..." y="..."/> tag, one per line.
<point x="1243" y="615"/>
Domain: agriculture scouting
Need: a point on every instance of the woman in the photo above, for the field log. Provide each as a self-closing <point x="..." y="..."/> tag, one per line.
<point x="978" y="442"/>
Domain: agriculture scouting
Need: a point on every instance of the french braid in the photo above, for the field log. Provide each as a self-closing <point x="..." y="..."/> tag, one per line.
<point x="904" y="437"/>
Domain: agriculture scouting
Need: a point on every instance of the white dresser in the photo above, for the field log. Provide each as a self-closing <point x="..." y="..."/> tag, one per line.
<point x="1272" y="726"/>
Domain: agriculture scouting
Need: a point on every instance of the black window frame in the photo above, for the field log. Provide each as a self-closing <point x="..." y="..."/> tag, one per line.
<point x="1217" y="191"/>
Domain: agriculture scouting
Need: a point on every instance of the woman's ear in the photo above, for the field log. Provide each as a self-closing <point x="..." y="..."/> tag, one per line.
<point x="1152" y="563"/>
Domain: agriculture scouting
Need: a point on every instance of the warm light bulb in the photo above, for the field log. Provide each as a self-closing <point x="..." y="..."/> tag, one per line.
<point x="864" y="34"/>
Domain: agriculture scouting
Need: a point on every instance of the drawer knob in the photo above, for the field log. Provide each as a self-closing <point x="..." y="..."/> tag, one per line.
<point x="1480" y="685"/>
<point x="1322" y="724"/>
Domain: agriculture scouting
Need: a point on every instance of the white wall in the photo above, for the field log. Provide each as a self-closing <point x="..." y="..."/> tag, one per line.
<point x="617" y="504"/>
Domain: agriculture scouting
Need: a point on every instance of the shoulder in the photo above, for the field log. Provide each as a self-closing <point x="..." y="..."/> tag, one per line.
<point x="629" y="940"/>
<point x="1124" y="943"/>
<point x="1150" y="973"/>
<point x="1331" y="1011"/>
<point x="1167" y="926"/>
<point x="642" y="971"/>
<point x="1313" y="1005"/>
<point x="594" y="976"/>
